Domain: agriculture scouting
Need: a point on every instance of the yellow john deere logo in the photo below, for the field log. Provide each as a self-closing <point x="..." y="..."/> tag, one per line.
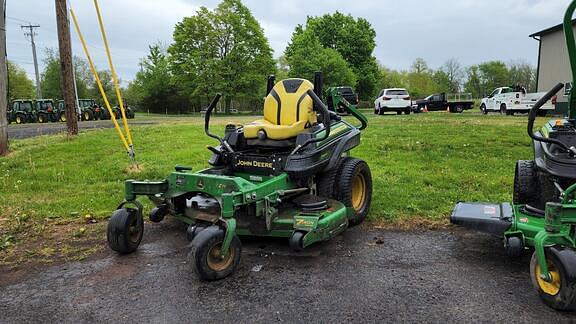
<point x="304" y="222"/>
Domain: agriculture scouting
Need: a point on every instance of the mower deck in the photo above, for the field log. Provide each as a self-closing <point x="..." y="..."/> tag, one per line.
<point x="489" y="218"/>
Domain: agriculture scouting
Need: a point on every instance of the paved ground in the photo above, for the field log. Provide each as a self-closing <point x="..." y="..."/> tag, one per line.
<point x="36" y="129"/>
<point x="428" y="276"/>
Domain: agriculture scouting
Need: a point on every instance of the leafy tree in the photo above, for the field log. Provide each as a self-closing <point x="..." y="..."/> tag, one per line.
<point x="454" y="72"/>
<point x="524" y="74"/>
<point x="442" y="82"/>
<point x="307" y="55"/>
<point x="84" y="77"/>
<point x="224" y="50"/>
<point x="494" y="74"/>
<point x="484" y="77"/>
<point x="105" y="77"/>
<point x="154" y="89"/>
<point x="353" y="39"/>
<point x="420" y="82"/>
<point x="282" y="68"/>
<point x="419" y="66"/>
<point x="19" y="85"/>
<point x="391" y="78"/>
<point x="473" y="83"/>
<point x="50" y="77"/>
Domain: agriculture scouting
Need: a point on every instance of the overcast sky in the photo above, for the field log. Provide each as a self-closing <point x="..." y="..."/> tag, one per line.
<point x="471" y="31"/>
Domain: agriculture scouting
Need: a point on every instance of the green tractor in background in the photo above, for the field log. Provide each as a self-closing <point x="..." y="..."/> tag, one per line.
<point x="542" y="215"/>
<point x="89" y="109"/>
<point x="288" y="175"/>
<point x="45" y="111"/>
<point x="21" y="111"/>
<point x="130" y="114"/>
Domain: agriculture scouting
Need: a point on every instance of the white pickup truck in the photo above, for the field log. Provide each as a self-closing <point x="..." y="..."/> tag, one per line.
<point x="509" y="100"/>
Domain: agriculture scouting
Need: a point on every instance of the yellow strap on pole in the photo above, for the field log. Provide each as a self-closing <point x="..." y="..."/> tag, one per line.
<point x="95" y="73"/>
<point x="114" y="77"/>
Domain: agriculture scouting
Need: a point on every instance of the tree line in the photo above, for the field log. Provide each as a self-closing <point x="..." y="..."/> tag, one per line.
<point x="478" y="80"/>
<point x="21" y="87"/>
<point x="224" y="50"/>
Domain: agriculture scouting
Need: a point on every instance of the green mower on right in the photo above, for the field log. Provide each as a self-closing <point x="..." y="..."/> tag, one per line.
<point x="542" y="215"/>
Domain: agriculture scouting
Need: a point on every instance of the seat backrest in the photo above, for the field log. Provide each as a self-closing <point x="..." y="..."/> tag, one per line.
<point x="288" y="103"/>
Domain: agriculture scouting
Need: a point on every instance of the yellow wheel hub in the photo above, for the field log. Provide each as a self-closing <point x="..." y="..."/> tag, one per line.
<point x="216" y="262"/>
<point x="551" y="288"/>
<point x="18" y="120"/>
<point x="358" y="191"/>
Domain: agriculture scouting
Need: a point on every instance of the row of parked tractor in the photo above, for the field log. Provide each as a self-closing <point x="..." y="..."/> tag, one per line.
<point x="23" y="111"/>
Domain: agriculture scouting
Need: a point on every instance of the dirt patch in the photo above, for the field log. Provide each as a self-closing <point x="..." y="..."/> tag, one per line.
<point x="411" y="224"/>
<point x="134" y="168"/>
<point x="49" y="242"/>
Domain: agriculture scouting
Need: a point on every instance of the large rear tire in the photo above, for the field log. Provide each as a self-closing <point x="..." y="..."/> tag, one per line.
<point x="87" y="115"/>
<point x="42" y="118"/>
<point x="525" y="183"/>
<point x="325" y="182"/>
<point x="20" y="119"/>
<point x="354" y="188"/>
<point x="560" y="292"/>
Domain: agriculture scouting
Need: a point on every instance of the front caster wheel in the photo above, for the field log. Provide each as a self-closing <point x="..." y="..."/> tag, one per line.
<point x="157" y="213"/>
<point x="125" y="230"/>
<point x="560" y="292"/>
<point x="297" y="241"/>
<point x="208" y="263"/>
<point x="514" y="247"/>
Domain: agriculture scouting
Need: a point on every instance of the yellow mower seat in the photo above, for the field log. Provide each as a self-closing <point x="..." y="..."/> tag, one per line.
<point x="288" y="110"/>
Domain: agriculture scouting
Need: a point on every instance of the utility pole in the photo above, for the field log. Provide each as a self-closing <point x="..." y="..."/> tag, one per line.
<point x="66" y="66"/>
<point x="3" y="83"/>
<point x="32" y="33"/>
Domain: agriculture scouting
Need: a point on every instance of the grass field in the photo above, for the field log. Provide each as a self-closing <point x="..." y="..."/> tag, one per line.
<point x="421" y="165"/>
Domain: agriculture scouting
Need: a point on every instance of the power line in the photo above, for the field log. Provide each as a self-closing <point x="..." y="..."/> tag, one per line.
<point x="18" y="19"/>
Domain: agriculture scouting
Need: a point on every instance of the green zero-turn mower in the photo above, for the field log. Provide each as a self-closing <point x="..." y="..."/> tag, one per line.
<point x="543" y="212"/>
<point x="288" y="175"/>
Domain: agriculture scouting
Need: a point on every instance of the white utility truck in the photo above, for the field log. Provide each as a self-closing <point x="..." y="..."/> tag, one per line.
<point x="510" y="100"/>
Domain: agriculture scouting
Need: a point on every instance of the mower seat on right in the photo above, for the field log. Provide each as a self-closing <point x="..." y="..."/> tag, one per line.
<point x="288" y="111"/>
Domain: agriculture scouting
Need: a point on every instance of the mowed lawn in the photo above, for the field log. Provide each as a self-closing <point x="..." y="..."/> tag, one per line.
<point x="421" y="165"/>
